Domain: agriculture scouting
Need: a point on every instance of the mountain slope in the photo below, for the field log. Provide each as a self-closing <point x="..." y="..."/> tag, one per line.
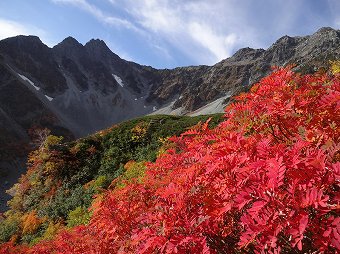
<point x="76" y="89"/>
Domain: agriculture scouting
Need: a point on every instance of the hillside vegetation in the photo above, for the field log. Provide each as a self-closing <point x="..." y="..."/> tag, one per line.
<point x="62" y="178"/>
<point x="265" y="180"/>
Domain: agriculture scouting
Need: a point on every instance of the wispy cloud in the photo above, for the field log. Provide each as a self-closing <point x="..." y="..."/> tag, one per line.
<point x="10" y="28"/>
<point x="99" y="14"/>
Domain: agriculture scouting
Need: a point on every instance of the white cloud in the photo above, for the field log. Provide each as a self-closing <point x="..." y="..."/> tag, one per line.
<point x="192" y="27"/>
<point x="220" y="46"/>
<point x="10" y="28"/>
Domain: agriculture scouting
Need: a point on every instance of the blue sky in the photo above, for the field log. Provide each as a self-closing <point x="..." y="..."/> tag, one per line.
<point x="168" y="33"/>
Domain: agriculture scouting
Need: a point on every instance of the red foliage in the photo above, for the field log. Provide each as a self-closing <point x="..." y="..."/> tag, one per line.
<point x="265" y="180"/>
<point x="10" y="248"/>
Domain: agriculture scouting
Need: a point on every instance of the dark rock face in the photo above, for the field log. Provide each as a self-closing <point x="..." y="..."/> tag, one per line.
<point x="76" y="89"/>
<point x="29" y="55"/>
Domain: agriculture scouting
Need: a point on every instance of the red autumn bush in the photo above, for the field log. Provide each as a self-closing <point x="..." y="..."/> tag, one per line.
<point x="266" y="180"/>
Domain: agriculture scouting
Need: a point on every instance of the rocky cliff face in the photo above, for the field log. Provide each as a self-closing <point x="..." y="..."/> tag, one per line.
<point x="76" y="89"/>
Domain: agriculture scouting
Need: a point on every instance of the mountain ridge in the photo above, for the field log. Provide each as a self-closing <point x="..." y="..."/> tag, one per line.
<point x="71" y="72"/>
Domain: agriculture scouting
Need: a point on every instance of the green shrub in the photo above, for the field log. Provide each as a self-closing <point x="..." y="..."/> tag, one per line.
<point x="78" y="216"/>
<point x="9" y="227"/>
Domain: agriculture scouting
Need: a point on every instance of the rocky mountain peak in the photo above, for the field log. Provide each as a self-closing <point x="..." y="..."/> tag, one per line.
<point x="322" y="44"/>
<point x="286" y="41"/>
<point x="31" y="39"/>
<point x="327" y="36"/>
<point x="98" y="49"/>
<point x="69" y="42"/>
<point x="247" y="53"/>
<point x="23" y="43"/>
<point x="96" y="43"/>
<point x="69" y="46"/>
<point x="326" y="30"/>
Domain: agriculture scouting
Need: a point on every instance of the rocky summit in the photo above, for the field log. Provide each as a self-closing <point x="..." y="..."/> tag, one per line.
<point x="74" y="89"/>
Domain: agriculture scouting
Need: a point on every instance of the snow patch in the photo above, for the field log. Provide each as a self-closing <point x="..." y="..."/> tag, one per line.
<point x="136" y="99"/>
<point x="119" y="80"/>
<point x="29" y="81"/>
<point x="48" y="97"/>
<point x="154" y="108"/>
